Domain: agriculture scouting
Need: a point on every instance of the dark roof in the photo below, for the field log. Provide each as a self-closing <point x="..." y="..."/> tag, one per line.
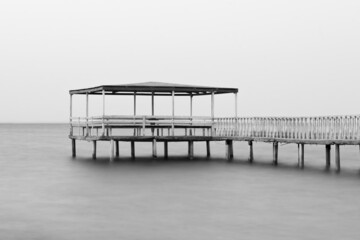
<point x="158" y="88"/>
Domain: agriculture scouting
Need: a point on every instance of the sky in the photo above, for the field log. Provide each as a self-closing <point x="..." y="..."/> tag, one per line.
<point x="288" y="58"/>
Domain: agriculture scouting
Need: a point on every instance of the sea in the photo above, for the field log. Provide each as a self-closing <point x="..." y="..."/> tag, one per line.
<point x="47" y="194"/>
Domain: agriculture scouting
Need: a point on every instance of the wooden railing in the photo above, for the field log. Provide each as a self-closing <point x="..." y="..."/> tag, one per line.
<point x="302" y="128"/>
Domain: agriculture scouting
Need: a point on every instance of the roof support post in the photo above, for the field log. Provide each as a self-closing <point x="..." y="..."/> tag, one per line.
<point x="191" y="112"/>
<point x="103" y="117"/>
<point x="71" y="126"/>
<point x="212" y="112"/>
<point x="152" y="113"/>
<point x="173" y="112"/>
<point x="134" y="112"/>
<point x="236" y="106"/>
<point x="135" y="103"/>
<point x="87" y="114"/>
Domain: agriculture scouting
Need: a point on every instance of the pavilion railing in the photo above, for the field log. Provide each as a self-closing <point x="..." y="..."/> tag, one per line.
<point x="301" y="128"/>
<point x="103" y="125"/>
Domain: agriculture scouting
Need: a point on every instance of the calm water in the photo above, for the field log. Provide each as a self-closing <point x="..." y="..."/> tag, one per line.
<point x="45" y="194"/>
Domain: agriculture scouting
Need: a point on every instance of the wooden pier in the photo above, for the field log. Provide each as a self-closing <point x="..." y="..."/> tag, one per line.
<point x="321" y="130"/>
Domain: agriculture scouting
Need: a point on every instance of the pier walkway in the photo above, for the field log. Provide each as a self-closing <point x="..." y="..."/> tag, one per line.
<point x="325" y="130"/>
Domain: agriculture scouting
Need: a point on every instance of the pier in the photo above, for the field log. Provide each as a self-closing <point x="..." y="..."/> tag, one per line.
<point x="320" y="130"/>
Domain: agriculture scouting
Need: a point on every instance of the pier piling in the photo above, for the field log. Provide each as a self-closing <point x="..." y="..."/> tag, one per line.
<point x="302" y="155"/>
<point x="337" y="157"/>
<point x="111" y="150"/>
<point x="132" y="149"/>
<point x="208" y="149"/>
<point x="328" y="155"/>
<point x="154" y="150"/>
<point x="73" y="147"/>
<point x="117" y="152"/>
<point x="94" y="150"/>
<point x="166" y="153"/>
<point x="275" y="152"/>
<point x="229" y="150"/>
<point x="251" y="155"/>
<point x="191" y="149"/>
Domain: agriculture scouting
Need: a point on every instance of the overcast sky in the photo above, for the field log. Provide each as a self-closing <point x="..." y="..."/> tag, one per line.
<point x="288" y="58"/>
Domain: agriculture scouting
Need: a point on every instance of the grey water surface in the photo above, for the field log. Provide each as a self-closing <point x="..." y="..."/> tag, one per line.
<point x="45" y="194"/>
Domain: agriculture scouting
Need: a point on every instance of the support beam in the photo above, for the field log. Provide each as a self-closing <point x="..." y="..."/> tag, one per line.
<point x="135" y="111"/>
<point x="208" y="153"/>
<point x="337" y="157"/>
<point x="166" y="154"/>
<point x="73" y="146"/>
<point x="111" y="150"/>
<point x="328" y="156"/>
<point x="132" y="149"/>
<point x="275" y="152"/>
<point x="251" y="157"/>
<point x="94" y="150"/>
<point x="229" y="150"/>
<point x="154" y="150"/>
<point x="191" y="150"/>
<point x="117" y="149"/>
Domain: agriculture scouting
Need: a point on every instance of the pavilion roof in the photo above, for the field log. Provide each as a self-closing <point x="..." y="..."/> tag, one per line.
<point x="156" y="88"/>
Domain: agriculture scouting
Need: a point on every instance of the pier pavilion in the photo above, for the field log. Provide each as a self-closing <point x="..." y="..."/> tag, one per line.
<point x="146" y="128"/>
<point x="319" y="130"/>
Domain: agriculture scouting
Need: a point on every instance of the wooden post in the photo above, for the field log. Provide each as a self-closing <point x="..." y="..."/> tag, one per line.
<point x="275" y="152"/>
<point x="251" y="157"/>
<point x="191" y="113"/>
<point x="73" y="146"/>
<point x="302" y="155"/>
<point x="117" y="150"/>
<point x="94" y="150"/>
<point x="166" y="149"/>
<point x="154" y="151"/>
<point x="212" y="113"/>
<point x="173" y="112"/>
<point x="229" y="150"/>
<point x="133" y="149"/>
<point x="87" y="114"/>
<point x="236" y="106"/>
<point x="208" y="149"/>
<point x="328" y="156"/>
<point x="337" y="157"/>
<point x="111" y="150"/>
<point x="71" y="127"/>
<point x="103" y="118"/>
<point x="134" y="111"/>
<point x="191" y="150"/>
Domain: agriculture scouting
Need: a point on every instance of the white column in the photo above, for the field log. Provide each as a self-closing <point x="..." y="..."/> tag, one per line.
<point x="134" y="103"/>
<point x="191" y="112"/>
<point x="212" y="112"/>
<point x="152" y="105"/>
<point x="173" y="112"/>
<point x="212" y="105"/>
<point x="87" y="114"/>
<point x="70" y="119"/>
<point x="236" y="105"/>
<point x="103" y="118"/>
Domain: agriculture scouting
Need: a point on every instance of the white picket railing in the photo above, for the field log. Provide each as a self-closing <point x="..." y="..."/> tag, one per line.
<point x="304" y="128"/>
